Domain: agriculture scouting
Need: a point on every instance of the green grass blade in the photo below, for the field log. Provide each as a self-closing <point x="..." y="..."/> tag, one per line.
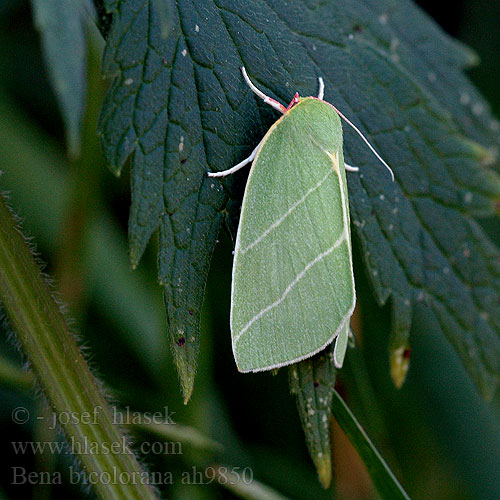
<point x="383" y="478"/>
<point x="234" y="480"/>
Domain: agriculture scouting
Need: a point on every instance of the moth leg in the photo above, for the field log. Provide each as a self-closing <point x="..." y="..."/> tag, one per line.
<point x="321" y="92"/>
<point x="268" y="100"/>
<point x="237" y="167"/>
<point x="350" y="168"/>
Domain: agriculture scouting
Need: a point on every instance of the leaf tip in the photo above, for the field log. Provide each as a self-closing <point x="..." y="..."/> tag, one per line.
<point x="116" y="170"/>
<point x="323" y="465"/>
<point x="73" y="144"/>
<point x="485" y="155"/>
<point x="400" y="363"/>
<point x="187" y="385"/>
<point x="187" y="375"/>
<point x="134" y="258"/>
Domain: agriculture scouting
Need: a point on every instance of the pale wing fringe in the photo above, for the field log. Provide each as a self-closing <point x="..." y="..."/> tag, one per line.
<point x="309" y="354"/>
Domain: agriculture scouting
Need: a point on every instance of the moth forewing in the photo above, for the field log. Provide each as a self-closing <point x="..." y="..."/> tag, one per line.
<point x="293" y="285"/>
<point x="340" y="348"/>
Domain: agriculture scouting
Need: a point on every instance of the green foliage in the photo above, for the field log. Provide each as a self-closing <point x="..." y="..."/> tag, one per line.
<point x="59" y="367"/>
<point x="62" y="29"/>
<point x="313" y="381"/>
<point x="179" y="106"/>
<point x="386" y="483"/>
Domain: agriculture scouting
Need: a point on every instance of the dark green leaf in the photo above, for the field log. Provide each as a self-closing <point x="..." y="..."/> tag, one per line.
<point x="61" y="25"/>
<point x="178" y="105"/>
<point x="313" y="381"/>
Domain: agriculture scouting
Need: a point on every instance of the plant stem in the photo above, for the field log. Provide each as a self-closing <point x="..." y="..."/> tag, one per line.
<point x="73" y="393"/>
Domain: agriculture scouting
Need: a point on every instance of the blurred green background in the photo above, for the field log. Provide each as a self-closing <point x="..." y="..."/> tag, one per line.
<point x="437" y="434"/>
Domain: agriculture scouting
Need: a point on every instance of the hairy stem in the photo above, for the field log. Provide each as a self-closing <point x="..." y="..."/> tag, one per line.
<point x="73" y="393"/>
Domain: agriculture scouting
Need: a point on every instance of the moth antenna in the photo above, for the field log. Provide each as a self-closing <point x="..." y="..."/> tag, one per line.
<point x="372" y="149"/>
<point x="321" y="92"/>
<point x="268" y="100"/>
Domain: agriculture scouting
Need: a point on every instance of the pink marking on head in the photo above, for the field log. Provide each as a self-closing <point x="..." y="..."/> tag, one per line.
<point x="294" y="101"/>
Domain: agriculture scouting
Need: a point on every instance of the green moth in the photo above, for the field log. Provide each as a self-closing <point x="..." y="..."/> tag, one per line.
<point x="293" y="287"/>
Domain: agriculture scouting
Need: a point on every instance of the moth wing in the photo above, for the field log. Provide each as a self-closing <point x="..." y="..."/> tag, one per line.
<point x="341" y="346"/>
<point x="293" y="286"/>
